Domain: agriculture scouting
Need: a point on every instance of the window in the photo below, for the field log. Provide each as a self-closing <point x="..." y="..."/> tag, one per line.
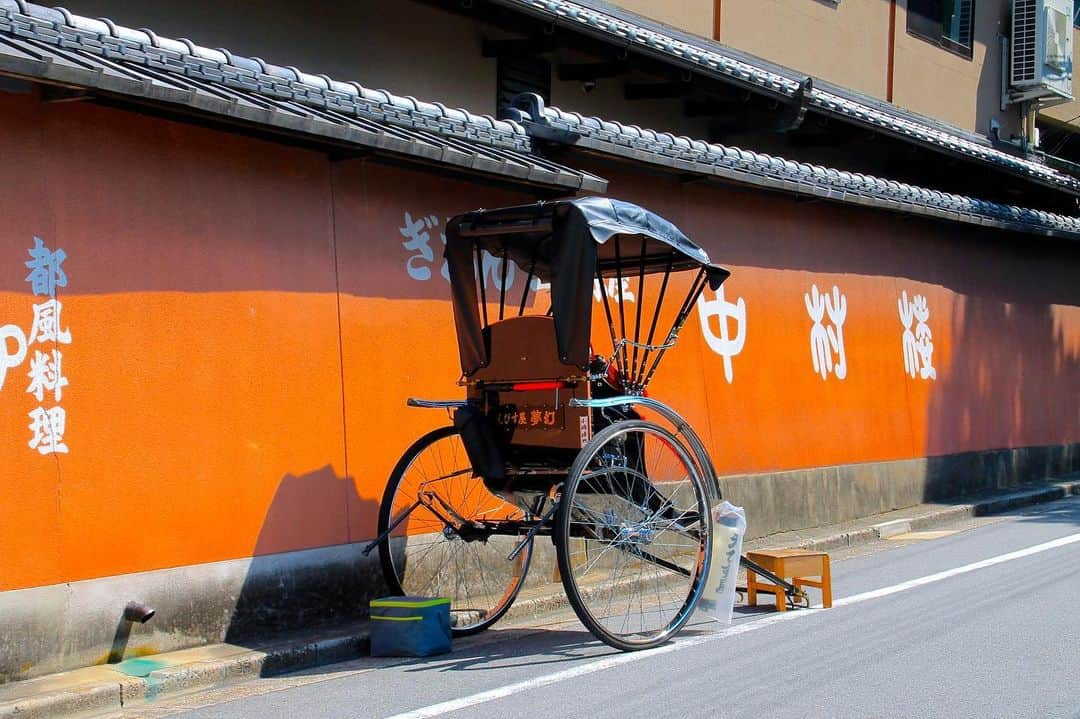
<point x="948" y="23"/>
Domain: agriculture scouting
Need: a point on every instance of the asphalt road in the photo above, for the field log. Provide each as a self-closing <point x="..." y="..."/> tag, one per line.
<point x="981" y="621"/>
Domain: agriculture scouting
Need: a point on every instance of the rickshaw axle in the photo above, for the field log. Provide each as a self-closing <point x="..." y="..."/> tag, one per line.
<point x="536" y="527"/>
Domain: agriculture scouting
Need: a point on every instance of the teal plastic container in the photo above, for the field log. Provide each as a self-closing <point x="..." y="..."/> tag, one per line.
<point x="410" y="626"/>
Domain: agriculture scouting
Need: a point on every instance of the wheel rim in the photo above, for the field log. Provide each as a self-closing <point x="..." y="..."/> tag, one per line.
<point x="635" y="546"/>
<point x="430" y="556"/>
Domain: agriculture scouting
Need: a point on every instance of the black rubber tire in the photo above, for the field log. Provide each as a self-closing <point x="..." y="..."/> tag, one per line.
<point x="579" y="596"/>
<point x="395" y="495"/>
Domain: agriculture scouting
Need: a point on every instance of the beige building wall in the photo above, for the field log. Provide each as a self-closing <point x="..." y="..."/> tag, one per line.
<point x="846" y="43"/>
<point x="694" y="16"/>
<point x="964" y="92"/>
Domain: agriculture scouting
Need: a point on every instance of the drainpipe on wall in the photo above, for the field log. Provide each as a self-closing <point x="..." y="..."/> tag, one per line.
<point x="1003" y="43"/>
<point x="716" y="20"/>
<point x="1025" y="134"/>
<point x="892" y="51"/>
<point x="1031" y="133"/>
<point x="1026" y="139"/>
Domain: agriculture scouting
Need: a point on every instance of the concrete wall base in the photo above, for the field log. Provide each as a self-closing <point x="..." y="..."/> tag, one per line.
<point x="806" y="498"/>
<point x="59" y="627"/>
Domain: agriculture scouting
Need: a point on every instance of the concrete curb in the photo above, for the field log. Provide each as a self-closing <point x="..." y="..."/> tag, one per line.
<point x="978" y="508"/>
<point x="108" y="688"/>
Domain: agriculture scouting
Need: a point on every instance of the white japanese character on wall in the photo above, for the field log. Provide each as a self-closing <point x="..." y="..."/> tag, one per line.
<point x="46" y="368"/>
<point x="46" y="375"/>
<point x="722" y="343"/>
<point x="417" y="234"/>
<point x="46" y="324"/>
<point x="825" y="341"/>
<point x="918" y="345"/>
<point x="611" y="289"/>
<point x="495" y="273"/>
<point x="46" y="269"/>
<point x="418" y="240"/>
<point x="47" y="427"/>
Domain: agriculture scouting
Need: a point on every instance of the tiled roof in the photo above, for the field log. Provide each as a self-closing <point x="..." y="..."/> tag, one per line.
<point x="54" y="45"/>
<point x="685" y="155"/>
<point x="642" y="35"/>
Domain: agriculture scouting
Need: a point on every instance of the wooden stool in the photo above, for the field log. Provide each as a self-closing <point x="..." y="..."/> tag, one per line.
<point x="794" y="565"/>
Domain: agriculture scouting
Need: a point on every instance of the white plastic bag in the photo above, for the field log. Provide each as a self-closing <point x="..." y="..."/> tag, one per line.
<point x="718" y="597"/>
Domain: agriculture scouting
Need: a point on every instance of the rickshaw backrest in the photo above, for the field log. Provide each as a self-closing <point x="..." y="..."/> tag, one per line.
<point x="522" y="348"/>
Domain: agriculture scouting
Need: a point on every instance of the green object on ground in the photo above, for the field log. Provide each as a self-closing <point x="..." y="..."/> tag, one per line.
<point x="139" y="667"/>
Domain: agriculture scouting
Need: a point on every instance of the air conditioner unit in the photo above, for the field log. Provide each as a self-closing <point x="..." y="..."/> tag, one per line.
<point x="1041" y="62"/>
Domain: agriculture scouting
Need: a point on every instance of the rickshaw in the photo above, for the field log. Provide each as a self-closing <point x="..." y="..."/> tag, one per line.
<point x="555" y="437"/>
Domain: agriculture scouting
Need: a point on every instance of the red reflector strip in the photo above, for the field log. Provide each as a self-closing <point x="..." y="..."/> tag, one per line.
<point x="537" y="386"/>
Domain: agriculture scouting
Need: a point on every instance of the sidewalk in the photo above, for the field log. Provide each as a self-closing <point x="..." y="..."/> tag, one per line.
<point x="111" y="687"/>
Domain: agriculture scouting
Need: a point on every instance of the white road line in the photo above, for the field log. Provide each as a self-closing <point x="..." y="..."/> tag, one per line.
<point x="930" y="578"/>
<point x="441" y="708"/>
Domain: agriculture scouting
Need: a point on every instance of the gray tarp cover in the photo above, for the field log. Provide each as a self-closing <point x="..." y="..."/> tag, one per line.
<point x="567" y="243"/>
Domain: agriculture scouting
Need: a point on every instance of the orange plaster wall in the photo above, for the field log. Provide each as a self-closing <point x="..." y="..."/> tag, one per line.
<point x="204" y="364"/>
<point x="1005" y="318"/>
<point x="245" y="334"/>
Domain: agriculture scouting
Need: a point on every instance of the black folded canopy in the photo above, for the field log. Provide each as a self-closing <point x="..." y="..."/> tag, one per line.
<point x="568" y="243"/>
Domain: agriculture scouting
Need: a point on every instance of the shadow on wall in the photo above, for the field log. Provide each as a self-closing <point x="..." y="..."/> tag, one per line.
<point x="329" y="581"/>
<point x="1014" y="383"/>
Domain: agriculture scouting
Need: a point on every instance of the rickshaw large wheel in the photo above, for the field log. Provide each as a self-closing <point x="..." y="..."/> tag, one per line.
<point x="444" y="547"/>
<point x="632" y="545"/>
